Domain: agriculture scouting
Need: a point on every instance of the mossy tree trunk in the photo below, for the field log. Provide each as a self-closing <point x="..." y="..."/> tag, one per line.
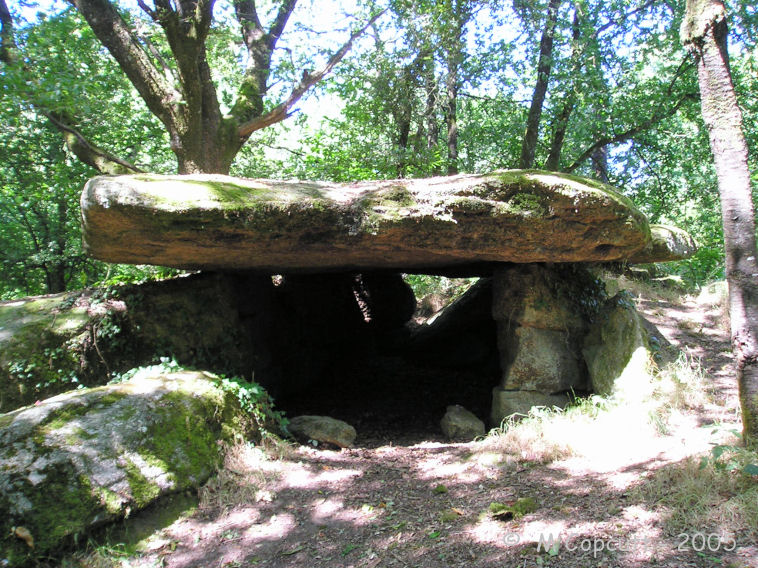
<point x="704" y="31"/>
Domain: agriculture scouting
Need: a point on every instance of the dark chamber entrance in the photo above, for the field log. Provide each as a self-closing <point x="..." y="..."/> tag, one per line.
<point x="393" y="380"/>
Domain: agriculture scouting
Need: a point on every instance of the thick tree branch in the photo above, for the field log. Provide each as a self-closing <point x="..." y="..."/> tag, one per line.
<point x="88" y="153"/>
<point x="109" y="27"/>
<point x="632" y="132"/>
<point x="280" y="22"/>
<point x="282" y="110"/>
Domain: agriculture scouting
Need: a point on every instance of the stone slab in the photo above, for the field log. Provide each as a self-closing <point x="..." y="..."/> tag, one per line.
<point x="225" y="223"/>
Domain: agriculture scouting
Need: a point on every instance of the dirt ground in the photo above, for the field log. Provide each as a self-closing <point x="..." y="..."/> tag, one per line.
<point x="405" y="498"/>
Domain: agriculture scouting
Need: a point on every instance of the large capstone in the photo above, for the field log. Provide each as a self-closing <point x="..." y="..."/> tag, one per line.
<point x="219" y="222"/>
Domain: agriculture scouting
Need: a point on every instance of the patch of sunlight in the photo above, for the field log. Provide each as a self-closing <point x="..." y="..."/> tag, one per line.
<point x="539" y="531"/>
<point x="301" y="478"/>
<point x="277" y="527"/>
<point x="435" y="467"/>
<point x="489" y="531"/>
<point x="331" y="510"/>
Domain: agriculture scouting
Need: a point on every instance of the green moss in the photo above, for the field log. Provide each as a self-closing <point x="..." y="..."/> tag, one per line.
<point x="143" y="490"/>
<point x="110" y="398"/>
<point x="522" y="506"/>
<point x="62" y="506"/>
<point x="62" y="416"/>
<point x="182" y="444"/>
<point x="528" y="204"/>
<point x="111" y="500"/>
<point x="6" y="419"/>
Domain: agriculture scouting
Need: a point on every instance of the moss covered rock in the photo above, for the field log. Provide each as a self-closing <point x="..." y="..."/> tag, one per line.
<point x="46" y="347"/>
<point x="91" y="456"/>
<point x="54" y="343"/>
<point x="218" y="222"/>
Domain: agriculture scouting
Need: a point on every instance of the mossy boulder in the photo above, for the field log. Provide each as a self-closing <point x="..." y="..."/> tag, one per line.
<point x="411" y="225"/>
<point x="46" y="347"/>
<point x="91" y="456"/>
<point x="617" y="351"/>
<point x="51" y="344"/>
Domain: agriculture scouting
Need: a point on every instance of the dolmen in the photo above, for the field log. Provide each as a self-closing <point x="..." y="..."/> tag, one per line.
<point x="534" y="232"/>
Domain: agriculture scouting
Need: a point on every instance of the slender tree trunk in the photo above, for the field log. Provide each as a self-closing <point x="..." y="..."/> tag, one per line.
<point x="430" y="113"/>
<point x="704" y="30"/>
<point x="600" y="163"/>
<point x="451" y="109"/>
<point x="569" y="99"/>
<point x="544" y="66"/>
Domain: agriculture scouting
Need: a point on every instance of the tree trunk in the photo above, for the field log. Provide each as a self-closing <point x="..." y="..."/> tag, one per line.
<point x="704" y="31"/>
<point x="569" y="99"/>
<point x="600" y="163"/>
<point x="451" y="109"/>
<point x="544" y="66"/>
<point x="430" y="114"/>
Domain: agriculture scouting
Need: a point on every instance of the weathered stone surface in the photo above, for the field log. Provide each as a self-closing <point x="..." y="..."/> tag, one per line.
<point x="217" y="222"/>
<point x="506" y="403"/>
<point x="541" y="314"/>
<point x="540" y="360"/>
<point x="460" y="424"/>
<point x="90" y="456"/>
<point x="536" y="296"/>
<point x="617" y="352"/>
<point x="322" y="429"/>
<point x="667" y="243"/>
<point x="54" y="343"/>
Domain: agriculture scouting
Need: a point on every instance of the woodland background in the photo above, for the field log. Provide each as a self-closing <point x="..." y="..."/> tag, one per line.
<point x="591" y="87"/>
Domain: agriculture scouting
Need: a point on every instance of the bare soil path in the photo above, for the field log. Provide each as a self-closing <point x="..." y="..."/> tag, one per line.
<point x="424" y="504"/>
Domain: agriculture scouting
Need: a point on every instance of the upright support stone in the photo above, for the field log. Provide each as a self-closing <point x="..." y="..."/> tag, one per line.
<point x="541" y="322"/>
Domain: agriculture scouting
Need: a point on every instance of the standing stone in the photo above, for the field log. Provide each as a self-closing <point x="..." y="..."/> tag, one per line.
<point x="542" y="314"/>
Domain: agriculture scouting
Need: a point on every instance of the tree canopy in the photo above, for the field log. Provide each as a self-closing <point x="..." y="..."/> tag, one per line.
<point x="388" y="89"/>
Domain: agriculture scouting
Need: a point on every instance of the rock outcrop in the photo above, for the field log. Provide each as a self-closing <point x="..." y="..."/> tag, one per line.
<point x="617" y="351"/>
<point x="91" y="456"/>
<point x="223" y="223"/>
<point x="55" y="343"/>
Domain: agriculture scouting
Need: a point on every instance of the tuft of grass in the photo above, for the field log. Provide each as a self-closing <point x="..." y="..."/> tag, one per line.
<point x="707" y="494"/>
<point x="681" y="384"/>
<point x="546" y="435"/>
<point x="538" y="437"/>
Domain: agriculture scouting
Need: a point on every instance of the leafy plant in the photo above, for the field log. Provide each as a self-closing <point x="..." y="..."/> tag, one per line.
<point x="258" y="405"/>
<point x="732" y="458"/>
